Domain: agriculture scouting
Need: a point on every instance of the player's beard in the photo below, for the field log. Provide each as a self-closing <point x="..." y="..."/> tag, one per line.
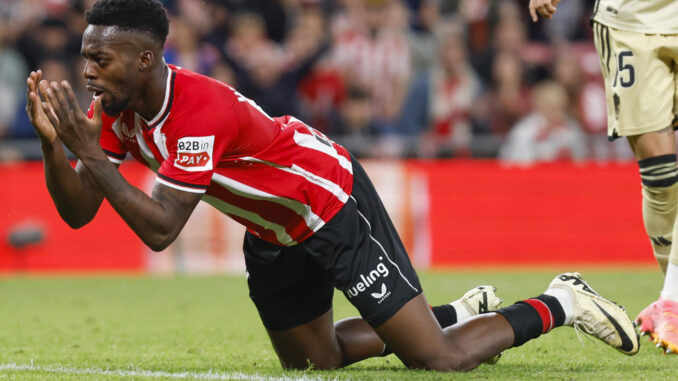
<point x="114" y="105"/>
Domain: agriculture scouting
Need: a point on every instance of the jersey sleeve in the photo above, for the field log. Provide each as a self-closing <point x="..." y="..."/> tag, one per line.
<point x="194" y="150"/>
<point x="109" y="141"/>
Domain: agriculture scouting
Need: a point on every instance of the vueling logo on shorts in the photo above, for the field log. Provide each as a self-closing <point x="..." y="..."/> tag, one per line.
<point x="366" y="281"/>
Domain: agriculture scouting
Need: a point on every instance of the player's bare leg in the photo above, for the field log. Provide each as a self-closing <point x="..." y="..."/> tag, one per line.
<point x="324" y="345"/>
<point x="416" y="338"/>
<point x="569" y="300"/>
<point x="327" y="345"/>
<point x="318" y="345"/>
<point x="413" y="334"/>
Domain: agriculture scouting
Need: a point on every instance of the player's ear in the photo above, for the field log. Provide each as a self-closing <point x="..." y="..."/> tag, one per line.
<point x="145" y="60"/>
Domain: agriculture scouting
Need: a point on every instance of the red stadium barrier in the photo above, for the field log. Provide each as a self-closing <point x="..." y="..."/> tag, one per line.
<point x="484" y="213"/>
<point x="466" y="213"/>
<point x="106" y="244"/>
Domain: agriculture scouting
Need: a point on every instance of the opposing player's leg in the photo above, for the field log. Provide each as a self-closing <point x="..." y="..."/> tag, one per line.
<point x="660" y="319"/>
<point x="656" y="156"/>
<point x="640" y="88"/>
<point x="640" y="84"/>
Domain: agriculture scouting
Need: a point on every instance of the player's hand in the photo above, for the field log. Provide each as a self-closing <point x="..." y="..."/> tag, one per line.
<point x="79" y="133"/>
<point x="545" y="8"/>
<point x="37" y="110"/>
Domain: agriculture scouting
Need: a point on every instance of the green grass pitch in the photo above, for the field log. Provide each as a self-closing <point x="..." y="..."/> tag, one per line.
<point x="143" y="328"/>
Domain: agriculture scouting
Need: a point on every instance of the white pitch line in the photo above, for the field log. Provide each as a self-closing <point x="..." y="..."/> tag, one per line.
<point x="154" y="374"/>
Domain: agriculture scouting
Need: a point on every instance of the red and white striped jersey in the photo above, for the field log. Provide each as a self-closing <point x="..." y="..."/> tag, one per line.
<point x="279" y="177"/>
<point x="380" y="64"/>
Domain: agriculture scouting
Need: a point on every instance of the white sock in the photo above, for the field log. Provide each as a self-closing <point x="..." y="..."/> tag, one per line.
<point x="565" y="300"/>
<point x="670" y="290"/>
<point x="462" y="312"/>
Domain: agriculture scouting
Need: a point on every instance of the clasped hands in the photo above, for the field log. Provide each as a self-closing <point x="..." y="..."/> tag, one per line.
<point x="57" y="114"/>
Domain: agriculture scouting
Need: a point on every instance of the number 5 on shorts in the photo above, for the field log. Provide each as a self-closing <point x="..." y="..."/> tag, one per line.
<point x="627" y="80"/>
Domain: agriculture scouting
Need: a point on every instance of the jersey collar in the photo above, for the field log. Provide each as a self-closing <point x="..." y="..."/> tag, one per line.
<point x="166" y="104"/>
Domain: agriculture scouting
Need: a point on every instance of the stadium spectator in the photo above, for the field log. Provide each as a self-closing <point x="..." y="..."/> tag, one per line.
<point x="12" y="69"/>
<point x="353" y="124"/>
<point x="270" y="75"/>
<point x="208" y="34"/>
<point x="506" y="99"/>
<point x="373" y="54"/>
<point x="314" y="220"/>
<point x="548" y="133"/>
<point x="454" y="87"/>
<point x="185" y="48"/>
<point x="50" y="39"/>
<point x="438" y="108"/>
<point x="421" y="35"/>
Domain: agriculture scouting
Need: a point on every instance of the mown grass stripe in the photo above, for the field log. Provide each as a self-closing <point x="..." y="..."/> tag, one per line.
<point x="153" y="373"/>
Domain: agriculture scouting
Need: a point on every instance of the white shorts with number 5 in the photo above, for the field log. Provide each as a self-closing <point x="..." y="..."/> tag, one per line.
<point x="641" y="79"/>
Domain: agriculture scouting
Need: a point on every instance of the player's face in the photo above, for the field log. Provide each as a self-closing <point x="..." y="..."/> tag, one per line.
<point x="110" y="66"/>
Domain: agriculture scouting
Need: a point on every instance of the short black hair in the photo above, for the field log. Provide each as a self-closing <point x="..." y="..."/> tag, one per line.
<point x="141" y="15"/>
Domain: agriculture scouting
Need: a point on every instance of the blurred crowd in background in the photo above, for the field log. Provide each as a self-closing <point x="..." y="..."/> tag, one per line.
<point x="385" y="78"/>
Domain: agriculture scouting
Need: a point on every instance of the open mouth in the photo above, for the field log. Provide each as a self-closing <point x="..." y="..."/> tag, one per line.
<point x="97" y="91"/>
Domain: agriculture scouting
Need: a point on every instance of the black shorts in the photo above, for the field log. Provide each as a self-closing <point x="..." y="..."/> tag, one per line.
<point x="358" y="251"/>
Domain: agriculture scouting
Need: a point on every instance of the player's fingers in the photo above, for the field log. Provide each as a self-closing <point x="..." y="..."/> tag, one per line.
<point x="44" y="89"/>
<point x="97" y="109"/>
<point x="533" y="14"/>
<point x="36" y="76"/>
<point x="52" y="96"/>
<point x="49" y="111"/>
<point x="30" y="84"/>
<point x="30" y="102"/>
<point x="544" y="12"/>
<point x="29" y="89"/>
<point x="61" y="95"/>
<point x="72" y="100"/>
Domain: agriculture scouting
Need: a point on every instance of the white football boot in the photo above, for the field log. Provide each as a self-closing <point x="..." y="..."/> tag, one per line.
<point x="476" y="301"/>
<point x="597" y="316"/>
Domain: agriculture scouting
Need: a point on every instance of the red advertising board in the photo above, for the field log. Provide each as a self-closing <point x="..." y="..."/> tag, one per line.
<point x="449" y="213"/>
<point x="484" y="213"/>
<point x="106" y="244"/>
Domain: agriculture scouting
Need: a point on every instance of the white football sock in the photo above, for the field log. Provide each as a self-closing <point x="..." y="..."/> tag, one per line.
<point x="670" y="290"/>
<point x="565" y="299"/>
<point x="462" y="313"/>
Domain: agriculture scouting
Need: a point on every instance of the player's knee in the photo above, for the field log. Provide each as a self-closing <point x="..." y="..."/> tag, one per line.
<point x="659" y="175"/>
<point x="325" y="361"/>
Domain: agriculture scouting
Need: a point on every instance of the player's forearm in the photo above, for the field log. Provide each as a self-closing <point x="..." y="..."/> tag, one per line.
<point x="76" y="203"/>
<point x="148" y="218"/>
